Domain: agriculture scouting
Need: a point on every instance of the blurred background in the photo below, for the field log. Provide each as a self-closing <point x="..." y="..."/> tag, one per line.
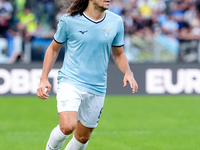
<point x="156" y="31"/>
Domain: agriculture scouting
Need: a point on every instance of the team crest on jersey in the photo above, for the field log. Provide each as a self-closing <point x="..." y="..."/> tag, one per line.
<point x="106" y="32"/>
<point x="64" y="104"/>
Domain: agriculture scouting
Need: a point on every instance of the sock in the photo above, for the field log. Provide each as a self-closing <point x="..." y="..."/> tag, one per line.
<point x="56" y="139"/>
<point x="74" y="144"/>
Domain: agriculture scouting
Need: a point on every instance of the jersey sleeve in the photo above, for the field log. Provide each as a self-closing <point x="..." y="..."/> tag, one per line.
<point x="119" y="38"/>
<point x="61" y="31"/>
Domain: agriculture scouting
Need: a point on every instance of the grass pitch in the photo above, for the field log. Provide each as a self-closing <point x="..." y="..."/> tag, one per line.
<point x="127" y="123"/>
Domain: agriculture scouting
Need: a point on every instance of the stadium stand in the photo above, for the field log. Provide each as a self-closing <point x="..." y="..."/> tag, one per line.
<point x="156" y="31"/>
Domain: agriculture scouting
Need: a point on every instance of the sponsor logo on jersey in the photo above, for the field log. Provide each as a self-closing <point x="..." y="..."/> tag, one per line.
<point x="83" y="31"/>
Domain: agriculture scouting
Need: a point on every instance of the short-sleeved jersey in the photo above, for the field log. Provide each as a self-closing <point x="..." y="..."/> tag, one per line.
<point x="87" y="53"/>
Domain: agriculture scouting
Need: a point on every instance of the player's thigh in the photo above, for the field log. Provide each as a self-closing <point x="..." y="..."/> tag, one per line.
<point x="68" y="98"/>
<point x="68" y="102"/>
<point x="68" y="121"/>
<point x="90" y="110"/>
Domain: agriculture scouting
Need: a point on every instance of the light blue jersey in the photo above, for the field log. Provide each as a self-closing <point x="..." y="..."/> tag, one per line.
<point x="88" y="45"/>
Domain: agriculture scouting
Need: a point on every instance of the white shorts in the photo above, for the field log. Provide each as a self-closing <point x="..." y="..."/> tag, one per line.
<point x="88" y="106"/>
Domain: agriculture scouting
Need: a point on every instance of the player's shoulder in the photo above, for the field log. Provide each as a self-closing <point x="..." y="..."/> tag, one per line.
<point x="67" y="17"/>
<point x="112" y="15"/>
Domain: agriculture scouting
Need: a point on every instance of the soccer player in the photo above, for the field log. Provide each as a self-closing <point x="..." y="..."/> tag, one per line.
<point x="89" y="31"/>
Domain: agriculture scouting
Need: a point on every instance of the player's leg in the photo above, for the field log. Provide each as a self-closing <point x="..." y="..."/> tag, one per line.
<point x="88" y="116"/>
<point x="81" y="137"/>
<point x="68" y="121"/>
<point x="67" y="124"/>
<point x="68" y="102"/>
<point x="56" y="139"/>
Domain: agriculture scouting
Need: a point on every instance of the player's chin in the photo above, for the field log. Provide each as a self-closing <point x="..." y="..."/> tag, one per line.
<point x="105" y="8"/>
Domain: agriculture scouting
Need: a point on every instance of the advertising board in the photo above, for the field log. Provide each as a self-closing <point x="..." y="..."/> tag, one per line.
<point x="23" y="79"/>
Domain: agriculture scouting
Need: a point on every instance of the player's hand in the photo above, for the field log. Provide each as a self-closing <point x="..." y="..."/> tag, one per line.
<point x="43" y="89"/>
<point x="128" y="77"/>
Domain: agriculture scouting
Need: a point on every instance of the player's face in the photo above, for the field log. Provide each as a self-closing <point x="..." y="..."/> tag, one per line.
<point x="102" y="4"/>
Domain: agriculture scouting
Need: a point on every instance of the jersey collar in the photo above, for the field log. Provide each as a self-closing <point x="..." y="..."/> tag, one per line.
<point x="94" y="20"/>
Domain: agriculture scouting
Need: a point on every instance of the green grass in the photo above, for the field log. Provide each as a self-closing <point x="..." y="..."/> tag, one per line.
<point x="127" y="123"/>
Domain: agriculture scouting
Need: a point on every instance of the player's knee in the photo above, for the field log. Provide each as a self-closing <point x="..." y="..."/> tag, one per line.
<point x="83" y="139"/>
<point x="67" y="128"/>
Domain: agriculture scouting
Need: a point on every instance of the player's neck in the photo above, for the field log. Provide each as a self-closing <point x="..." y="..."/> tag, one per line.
<point x="94" y="14"/>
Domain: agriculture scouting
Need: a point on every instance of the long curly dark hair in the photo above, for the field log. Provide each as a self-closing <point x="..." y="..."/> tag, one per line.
<point x="77" y="6"/>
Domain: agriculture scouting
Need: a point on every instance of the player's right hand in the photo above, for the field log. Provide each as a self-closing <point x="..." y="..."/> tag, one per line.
<point x="43" y="89"/>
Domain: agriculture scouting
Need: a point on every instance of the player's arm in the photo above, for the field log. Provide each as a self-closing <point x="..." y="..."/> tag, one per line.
<point x="122" y="63"/>
<point x="49" y="60"/>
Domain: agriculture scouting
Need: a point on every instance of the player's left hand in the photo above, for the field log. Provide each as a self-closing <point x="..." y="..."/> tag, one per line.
<point x="128" y="77"/>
